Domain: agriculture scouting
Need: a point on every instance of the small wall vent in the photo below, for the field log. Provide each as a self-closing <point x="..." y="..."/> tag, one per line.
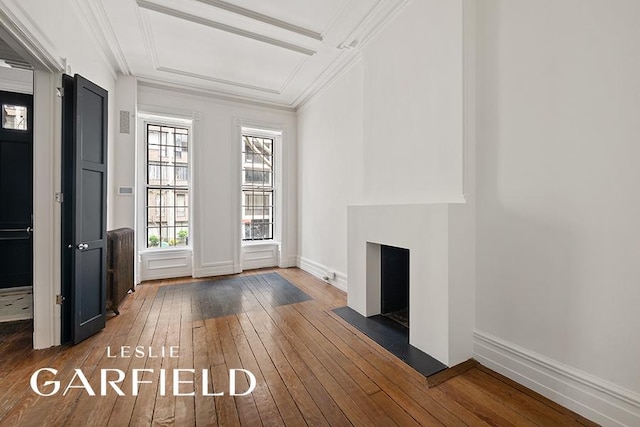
<point x="124" y="121"/>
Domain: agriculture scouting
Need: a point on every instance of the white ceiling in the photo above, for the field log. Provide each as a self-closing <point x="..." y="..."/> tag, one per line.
<point x="278" y="52"/>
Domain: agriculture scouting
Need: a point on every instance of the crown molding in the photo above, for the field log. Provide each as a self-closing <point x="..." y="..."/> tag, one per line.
<point x="96" y="17"/>
<point x="149" y="5"/>
<point x="96" y="35"/>
<point x="151" y="84"/>
<point x="216" y="80"/>
<point x="339" y="66"/>
<point x="247" y="13"/>
<point x="380" y="14"/>
<point x="25" y="37"/>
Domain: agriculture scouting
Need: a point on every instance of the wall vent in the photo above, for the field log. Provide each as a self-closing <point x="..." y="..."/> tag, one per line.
<point x="124" y="121"/>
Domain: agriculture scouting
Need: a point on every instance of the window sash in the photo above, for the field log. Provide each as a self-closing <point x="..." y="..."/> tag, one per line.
<point x="167" y="186"/>
<point x="258" y="192"/>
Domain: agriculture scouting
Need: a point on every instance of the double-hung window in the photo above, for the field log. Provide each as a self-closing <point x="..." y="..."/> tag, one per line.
<point x="258" y="195"/>
<point x="167" y="186"/>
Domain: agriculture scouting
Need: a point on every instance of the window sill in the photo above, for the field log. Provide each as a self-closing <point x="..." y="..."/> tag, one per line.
<point x="261" y="243"/>
<point x="165" y="250"/>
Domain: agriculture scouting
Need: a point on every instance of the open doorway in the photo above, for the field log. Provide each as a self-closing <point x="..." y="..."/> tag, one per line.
<point x="16" y="188"/>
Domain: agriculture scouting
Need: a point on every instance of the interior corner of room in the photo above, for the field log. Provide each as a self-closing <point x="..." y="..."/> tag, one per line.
<point x="478" y="155"/>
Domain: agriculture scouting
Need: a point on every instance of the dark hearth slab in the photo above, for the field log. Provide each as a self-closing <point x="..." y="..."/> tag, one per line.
<point x="394" y="338"/>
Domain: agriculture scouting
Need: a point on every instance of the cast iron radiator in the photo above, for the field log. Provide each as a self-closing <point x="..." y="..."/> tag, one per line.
<point x="120" y="260"/>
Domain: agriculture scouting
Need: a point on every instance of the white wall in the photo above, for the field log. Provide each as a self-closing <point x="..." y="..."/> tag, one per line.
<point x="413" y="107"/>
<point x="124" y="145"/>
<point x="330" y="165"/>
<point x="558" y="226"/>
<point x="216" y="172"/>
<point x="388" y="131"/>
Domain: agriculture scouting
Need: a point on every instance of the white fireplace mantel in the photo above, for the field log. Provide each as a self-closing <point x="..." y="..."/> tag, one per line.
<point x="440" y="240"/>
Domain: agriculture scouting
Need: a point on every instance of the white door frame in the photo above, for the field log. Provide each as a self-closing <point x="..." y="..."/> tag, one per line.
<point x="31" y="46"/>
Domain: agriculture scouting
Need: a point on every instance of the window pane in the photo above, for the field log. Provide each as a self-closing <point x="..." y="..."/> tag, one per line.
<point x="14" y="117"/>
<point x="153" y="237"/>
<point x="167" y="191"/>
<point x="257" y="182"/>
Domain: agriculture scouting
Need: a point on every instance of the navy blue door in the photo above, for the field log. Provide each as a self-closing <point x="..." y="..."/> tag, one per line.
<point x="84" y="228"/>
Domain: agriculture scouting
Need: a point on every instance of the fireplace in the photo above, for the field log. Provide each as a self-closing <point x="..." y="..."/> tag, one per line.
<point x="394" y="284"/>
<point x="438" y="239"/>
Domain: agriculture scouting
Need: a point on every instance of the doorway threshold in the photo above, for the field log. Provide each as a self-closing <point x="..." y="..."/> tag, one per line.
<point x="394" y="338"/>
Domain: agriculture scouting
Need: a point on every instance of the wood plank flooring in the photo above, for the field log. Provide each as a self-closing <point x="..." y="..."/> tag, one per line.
<point x="310" y="366"/>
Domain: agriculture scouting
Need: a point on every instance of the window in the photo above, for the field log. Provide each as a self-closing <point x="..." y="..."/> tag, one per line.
<point x="14" y="117"/>
<point x="167" y="186"/>
<point x="257" y="188"/>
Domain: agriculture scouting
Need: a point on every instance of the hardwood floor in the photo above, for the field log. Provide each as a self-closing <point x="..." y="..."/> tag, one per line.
<point x="310" y="366"/>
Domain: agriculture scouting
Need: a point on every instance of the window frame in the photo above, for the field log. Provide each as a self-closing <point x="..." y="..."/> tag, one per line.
<point x="142" y="204"/>
<point x="271" y="189"/>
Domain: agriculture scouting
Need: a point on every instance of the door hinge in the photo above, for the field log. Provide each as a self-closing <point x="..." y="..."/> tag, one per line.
<point x="59" y="299"/>
<point x="60" y="91"/>
<point x="59" y="197"/>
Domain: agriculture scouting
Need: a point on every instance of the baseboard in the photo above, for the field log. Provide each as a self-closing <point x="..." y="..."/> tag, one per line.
<point x="320" y="271"/>
<point x="288" y="262"/>
<point x="589" y="396"/>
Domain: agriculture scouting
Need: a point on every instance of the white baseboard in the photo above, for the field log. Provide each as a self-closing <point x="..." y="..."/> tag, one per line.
<point x="320" y="271"/>
<point x="589" y="396"/>
<point x="287" y="262"/>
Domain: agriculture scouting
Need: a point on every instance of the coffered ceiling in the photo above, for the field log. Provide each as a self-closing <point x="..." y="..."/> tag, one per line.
<point x="277" y="52"/>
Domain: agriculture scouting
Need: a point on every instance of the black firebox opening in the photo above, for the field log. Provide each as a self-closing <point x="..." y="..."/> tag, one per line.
<point x="394" y="283"/>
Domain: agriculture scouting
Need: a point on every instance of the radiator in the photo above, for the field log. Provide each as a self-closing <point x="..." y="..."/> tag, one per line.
<point x="120" y="261"/>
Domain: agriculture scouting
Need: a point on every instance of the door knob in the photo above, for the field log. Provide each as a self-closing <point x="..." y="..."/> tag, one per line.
<point x="82" y="246"/>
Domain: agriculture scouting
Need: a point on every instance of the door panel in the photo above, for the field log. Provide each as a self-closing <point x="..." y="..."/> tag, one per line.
<point x="84" y="208"/>
<point x="16" y="190"/>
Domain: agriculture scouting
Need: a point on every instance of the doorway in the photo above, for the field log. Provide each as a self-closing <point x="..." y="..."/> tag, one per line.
<point x="16" y="206"/>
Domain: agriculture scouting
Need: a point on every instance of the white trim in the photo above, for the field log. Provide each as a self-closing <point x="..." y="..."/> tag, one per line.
<point x="373" y="22"/>
<point x="282" y="142"/>
<point x="251" y="14"/>
<point x="288" y="262"/>
<point x="217" y="269"/>
<point x="165" y="265"/>
<point x="320" y="271"/>
<point x="97" y="37"/>
<point x="209" y="78"/>
<point x="27" y="39"/>
<point x="153" y="85"/>
<point x="46" y="212"/>
<point x="99" y="26"/>
<point x="152" y="115"/>
<point x="149" y="5"/>
<point x="590" y="396"/>
<point x="16" y="86"/>
<point x="260" y="255"/>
